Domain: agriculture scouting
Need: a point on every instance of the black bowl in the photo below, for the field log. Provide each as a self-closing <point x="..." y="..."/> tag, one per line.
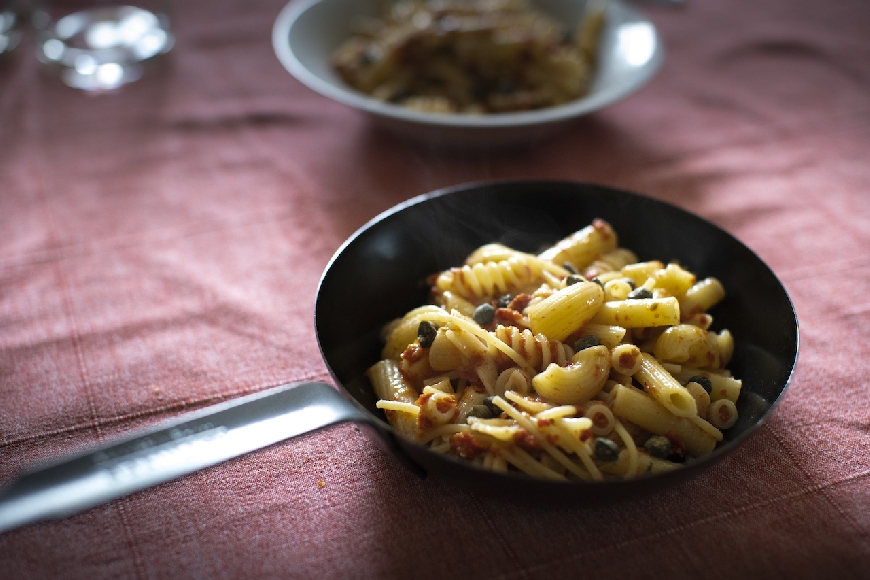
<point x="379" y="274"/>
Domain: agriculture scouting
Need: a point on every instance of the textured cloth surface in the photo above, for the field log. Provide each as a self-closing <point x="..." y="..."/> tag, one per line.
<point x="160" y="250"/>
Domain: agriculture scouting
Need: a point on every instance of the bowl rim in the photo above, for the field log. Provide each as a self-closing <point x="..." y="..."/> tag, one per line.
<point x="593" y="101"/>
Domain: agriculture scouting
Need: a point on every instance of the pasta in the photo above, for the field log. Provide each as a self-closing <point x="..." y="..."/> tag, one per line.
<point x="538" y="350"/>
<point x="479" y="280"/>
<point x="577" y="382"/>
<point x="568" y="309"/>
<point x="469" y="56"/>
<point x="523" y="364"/>
<point x="639" y="313"/>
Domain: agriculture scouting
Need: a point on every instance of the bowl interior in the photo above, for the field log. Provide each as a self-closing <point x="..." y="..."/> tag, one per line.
<point x="380" y="274"/>
<point x="305" y="35"/>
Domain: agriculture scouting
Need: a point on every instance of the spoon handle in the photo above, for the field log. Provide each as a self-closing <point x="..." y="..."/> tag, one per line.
<point x="169" y="450"/>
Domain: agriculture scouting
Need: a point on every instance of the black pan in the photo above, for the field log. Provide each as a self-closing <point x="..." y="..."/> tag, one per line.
<point x="379" y="274"/>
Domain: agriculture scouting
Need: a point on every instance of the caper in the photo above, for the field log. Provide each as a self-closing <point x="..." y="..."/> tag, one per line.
<point x="481" y="411"/>
<point x="606" y="450"/>
<point x="587" y="341"/>
<point x="493" y="408"/>
<point x="505" y="300"/>
<point x="574" y="279"/>
<point x="703" y="381"/>
<point x="658" y="446"/>
<point x="640" y="293"/>
<point x="426" y="332"/>
<point x="484" y="314"/>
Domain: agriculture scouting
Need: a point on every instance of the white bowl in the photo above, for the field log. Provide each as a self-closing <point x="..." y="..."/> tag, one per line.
<point x="308" y="31"/>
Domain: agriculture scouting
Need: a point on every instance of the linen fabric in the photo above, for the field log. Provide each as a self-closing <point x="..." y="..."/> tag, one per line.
<point x="161" y="246"/>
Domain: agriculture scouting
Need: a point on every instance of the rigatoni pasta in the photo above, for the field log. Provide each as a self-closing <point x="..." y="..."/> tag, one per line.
<point x="523" y="363"/>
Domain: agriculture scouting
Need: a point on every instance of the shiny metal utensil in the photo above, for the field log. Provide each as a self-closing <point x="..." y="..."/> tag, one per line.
<point x="186" y="444"/>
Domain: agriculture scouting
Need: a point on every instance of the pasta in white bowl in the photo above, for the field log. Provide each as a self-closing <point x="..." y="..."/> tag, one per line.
<point x="307" y="34"/>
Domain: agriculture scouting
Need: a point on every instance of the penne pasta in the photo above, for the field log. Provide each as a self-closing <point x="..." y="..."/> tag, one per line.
<point x="636" y="406"/>
<point x="659" y="383"/>
<point x="701" y="297"/>
<point x="639" y="313"/>
<point x="673" y="279"/>
<point x="566" y="310"/>
<point x="583" y="247"/>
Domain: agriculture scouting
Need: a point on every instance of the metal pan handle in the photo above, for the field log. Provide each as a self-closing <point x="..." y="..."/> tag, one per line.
<point x="169" y="450"/>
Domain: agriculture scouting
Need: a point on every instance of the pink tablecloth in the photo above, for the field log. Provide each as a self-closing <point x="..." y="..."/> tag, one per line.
<point x="160" y="249"/>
